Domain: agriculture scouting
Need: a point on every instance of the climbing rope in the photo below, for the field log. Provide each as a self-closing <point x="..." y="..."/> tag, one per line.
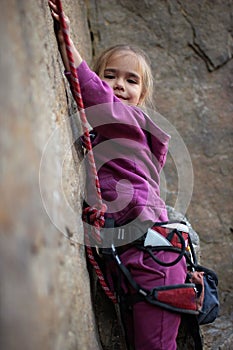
<point x="97" y="213"/>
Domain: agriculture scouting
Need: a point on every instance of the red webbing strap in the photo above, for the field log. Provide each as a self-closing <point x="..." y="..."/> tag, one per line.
<point x="100" y="207"/>
<point x="181" y="296"/>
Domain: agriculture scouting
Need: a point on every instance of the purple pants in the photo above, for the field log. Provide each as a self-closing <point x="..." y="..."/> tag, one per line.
<point x="149" y="327"/>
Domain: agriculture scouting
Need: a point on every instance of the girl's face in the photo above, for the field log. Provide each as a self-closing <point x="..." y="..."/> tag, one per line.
<point x="123" y="74"/>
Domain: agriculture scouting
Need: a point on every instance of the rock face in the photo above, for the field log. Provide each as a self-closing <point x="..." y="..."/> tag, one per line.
<point x="44" y="289"/>
<point x="45" y="292"/>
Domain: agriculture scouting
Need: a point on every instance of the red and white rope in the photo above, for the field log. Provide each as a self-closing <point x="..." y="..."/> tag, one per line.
<point x="98" y="212"/>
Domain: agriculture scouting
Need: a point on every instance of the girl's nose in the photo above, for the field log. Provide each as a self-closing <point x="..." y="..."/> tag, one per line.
<point x="119" y="84"/>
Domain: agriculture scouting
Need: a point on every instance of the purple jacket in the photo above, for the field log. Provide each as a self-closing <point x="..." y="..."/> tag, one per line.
<point x="129" y="151"/>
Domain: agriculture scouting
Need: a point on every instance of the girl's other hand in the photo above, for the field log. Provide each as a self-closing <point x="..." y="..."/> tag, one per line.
<point x="57" y="27"/>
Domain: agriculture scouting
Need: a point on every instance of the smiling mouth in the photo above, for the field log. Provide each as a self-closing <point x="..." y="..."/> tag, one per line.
<point x="121" y="97"/>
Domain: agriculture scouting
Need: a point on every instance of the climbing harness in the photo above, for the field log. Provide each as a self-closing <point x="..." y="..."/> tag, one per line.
<point x="196" y="300"/>
<point x="198" y="296"/>
<point x="180" y="298"/>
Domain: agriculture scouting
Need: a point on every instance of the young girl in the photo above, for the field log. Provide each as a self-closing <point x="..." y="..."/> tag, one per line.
<point x="130" y="153"/>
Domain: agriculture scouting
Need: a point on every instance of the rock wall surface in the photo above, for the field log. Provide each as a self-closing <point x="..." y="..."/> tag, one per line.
<point x="44" y="288"/>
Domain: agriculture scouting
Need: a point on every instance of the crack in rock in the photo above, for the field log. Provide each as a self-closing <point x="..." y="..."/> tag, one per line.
<point x="196" y="47"/>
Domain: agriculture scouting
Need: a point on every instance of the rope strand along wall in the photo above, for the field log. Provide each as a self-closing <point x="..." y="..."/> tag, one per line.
<point x="98" y="220"/>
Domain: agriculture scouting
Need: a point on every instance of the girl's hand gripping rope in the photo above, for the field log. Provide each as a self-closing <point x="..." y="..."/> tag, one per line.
<point x="60" y="37"/>
<point x="57" y="27"/>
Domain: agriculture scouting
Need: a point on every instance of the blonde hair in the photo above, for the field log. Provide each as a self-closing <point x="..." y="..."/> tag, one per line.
<point x="144" y="64"/>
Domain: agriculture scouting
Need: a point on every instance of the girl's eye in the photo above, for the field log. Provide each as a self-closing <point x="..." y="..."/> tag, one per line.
<point x="109" y="76"/>
<point x="132" y="81"/>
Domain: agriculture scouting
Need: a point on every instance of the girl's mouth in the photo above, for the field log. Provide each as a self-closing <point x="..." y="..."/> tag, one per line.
<point x="121" y="97"/>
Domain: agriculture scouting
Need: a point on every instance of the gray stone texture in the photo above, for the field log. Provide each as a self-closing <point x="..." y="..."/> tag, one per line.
<point x="44" y="289"/>
<point x="190" y="46"/>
